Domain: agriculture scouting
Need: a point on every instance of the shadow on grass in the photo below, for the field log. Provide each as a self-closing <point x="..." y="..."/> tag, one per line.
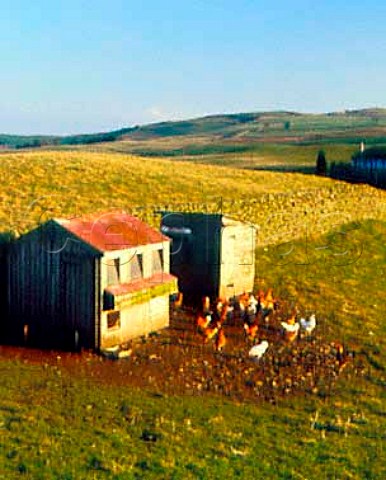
<point x="307" y="170"/>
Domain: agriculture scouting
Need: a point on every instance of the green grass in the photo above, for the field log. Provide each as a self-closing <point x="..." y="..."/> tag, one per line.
<point x="57" y="426"/>
<point x="280" y="156"/>
<point x="342" y="275"/>
<point x="60" y="425"/>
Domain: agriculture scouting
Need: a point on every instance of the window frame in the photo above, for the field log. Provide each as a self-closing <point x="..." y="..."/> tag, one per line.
<point x="136" y="262"/>
<point x="113" y="265"/>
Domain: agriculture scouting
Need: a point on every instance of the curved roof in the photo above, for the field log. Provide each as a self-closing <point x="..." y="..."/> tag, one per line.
<point x="112" y="231"/>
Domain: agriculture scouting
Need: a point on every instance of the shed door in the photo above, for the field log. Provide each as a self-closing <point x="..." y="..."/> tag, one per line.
<point x="228" y="264"/>
<point x="77" y="301"/>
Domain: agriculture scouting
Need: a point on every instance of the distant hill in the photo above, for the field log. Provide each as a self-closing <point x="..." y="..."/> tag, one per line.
<point x="280" y="126"/>
<point x="34" y="141"/>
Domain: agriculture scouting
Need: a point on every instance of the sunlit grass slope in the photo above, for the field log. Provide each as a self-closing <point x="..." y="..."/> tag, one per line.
<point x="40" y="185"/>
<point x="241" y="155"/>
<point x="341" y="275"/>
<point x="57" y="426"/>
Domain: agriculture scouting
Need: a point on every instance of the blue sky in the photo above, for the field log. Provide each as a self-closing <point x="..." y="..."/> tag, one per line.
<point x="85" y="66"/>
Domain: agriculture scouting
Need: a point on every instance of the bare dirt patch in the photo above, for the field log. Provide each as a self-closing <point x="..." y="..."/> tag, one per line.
<point x="177" y="362"/>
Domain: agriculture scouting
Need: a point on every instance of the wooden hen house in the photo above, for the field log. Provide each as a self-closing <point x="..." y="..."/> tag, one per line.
<point x="211" y="254"/>
<point x="95" y="282"/>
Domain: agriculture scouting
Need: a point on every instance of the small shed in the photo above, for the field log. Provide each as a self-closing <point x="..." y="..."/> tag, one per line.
<point x="211" y="254"/>
<point x="95" y="281"/>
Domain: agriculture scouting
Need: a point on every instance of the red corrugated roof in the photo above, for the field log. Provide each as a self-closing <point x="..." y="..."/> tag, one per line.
<point x="112" y="231"/>
<point x="140" y="284"/>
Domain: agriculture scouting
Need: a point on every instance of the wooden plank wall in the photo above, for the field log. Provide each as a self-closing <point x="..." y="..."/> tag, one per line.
<point x="237" y="260"/>
<point x="195" y="257"/>
<point x="51" y="289"/>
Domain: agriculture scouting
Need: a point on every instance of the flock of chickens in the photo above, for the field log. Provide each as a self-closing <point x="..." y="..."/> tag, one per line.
<point x="254" y="312"/>
<point x="250" y="348"/>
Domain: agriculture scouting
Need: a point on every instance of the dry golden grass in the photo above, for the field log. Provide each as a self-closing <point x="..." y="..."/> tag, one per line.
<point x="40" y="185"/>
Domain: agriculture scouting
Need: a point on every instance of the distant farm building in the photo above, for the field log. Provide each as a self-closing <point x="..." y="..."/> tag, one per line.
<point x="369" y="165"/>
<point x="93" y="281"/>
<point x="211" y="254"/>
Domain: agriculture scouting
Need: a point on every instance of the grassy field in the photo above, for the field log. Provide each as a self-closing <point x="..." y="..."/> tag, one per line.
<point x="39" y="185"/>
<point x="279" y="141"/>
<point x="263" y="155"/>
<point x="348" y="126"/>
<point x="60" y="423"/>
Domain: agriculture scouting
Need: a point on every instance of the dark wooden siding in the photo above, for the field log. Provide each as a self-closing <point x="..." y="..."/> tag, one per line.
<point x="3" y="290"/>
<point x="210" y="254"/>
<point x="52" y="289"/>
<point x="195" y="256"/>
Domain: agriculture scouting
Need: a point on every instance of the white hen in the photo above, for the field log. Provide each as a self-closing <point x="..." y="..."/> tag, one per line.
<point x="289" y="327"/>
<point x="252" y="305"/>
<point x="258" y="351"/>
<point x="308" y="325"/>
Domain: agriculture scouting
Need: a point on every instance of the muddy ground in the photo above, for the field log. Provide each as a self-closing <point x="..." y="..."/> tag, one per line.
<point x="176" y="361"/>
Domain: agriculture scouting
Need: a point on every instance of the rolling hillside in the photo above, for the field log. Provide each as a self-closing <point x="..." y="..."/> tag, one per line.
<point x="37" y="185"/>
<point x="320" y="243"/>
<point x="75" y="417"/>
<point x="220" y="133"/>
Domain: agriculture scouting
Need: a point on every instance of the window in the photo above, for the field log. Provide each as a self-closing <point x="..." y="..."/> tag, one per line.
<point x="158" y="261"/>
<point x="113" y="271"/>
<point x="114" y="319"/>
<point x="108" y="301"/>
<point x="136" y="268"/>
